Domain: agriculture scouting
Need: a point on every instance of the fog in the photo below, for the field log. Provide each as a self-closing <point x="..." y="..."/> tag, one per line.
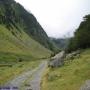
<point x="59" y="18"/>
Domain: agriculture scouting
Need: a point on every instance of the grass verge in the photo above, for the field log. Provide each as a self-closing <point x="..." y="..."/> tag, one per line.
<point x="11" y="65"/>
<point x="70" y="76"/>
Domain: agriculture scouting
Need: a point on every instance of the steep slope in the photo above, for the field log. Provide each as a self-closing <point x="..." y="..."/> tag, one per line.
<point x="15" y="31"/>
<point x="20" y="44"/>
<point x="12" y="13"/>
<point x="20" y="32"/>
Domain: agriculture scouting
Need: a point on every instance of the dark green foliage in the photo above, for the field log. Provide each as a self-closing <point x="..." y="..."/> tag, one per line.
<point x="71" y="45"/>
<point x="81" y="40"/>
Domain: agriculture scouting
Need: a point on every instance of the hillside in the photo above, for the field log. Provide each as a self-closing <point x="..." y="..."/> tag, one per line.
<point x="20" y="44"/>
<point x="19" y="49"/>
<point x="12" y="14"/>
<point x="81" y="36"/>
<point x="20" y="32"/>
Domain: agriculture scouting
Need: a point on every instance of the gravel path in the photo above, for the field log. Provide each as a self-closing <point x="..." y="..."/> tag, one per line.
<point x="36" y="75"/>
<point x="86" y="86"/>
<point x="35" y="83"/>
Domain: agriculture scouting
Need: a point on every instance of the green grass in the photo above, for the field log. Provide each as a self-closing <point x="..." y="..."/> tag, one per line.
<point x="70" y="76"/>
<point x="11" y="65"/>
<point x="9" y="72"/>
<point x="20" y="44"/>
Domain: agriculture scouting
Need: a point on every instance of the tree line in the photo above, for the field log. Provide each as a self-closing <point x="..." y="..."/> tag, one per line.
<point x="81" y="39"/>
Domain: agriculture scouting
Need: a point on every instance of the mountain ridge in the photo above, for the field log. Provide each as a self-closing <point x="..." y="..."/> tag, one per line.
<point x="13" y="14"/>
<point x="18" y="30"/>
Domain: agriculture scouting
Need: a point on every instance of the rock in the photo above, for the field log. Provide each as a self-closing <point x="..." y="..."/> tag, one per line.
<point x="73" y="55"/>
<point x="57" y="60"/>
<point x="86" y="86"/>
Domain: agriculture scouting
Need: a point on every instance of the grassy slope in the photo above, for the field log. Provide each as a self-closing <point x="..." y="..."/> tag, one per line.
<point x="69" y="77"/>
<point x="21" y="44"/>
<point x="18" y="53"/>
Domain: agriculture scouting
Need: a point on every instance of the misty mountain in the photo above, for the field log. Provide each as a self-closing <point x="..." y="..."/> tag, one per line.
<point x="61" y="43"/>
<point x="13" y="15"/>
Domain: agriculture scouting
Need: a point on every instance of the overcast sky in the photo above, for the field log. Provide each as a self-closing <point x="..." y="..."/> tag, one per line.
<point x="58" y="17"/>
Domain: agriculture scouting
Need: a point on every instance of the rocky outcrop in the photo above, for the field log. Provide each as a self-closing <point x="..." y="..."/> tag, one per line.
<point x="73" y="55"/>
<point x="57" y="60"/>
<point x="86" y="86"/>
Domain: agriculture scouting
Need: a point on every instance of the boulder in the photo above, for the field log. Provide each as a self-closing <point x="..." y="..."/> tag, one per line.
<point x="86" y="86"/>
<point x="57" y="60"/>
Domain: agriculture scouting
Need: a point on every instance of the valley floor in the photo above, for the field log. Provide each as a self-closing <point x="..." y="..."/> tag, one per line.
<point x="8" y="71"/>
<point x="71" y="76"/>
<point x="29" y="80"/>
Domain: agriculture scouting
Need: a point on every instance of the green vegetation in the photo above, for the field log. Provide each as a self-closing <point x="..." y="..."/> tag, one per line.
<point x="10" y="70"/>
<point x="81" y="37"/>
<point x="18" y="54"/>
<point x="76" y="70"/>
<point x="21" y="44"/>
<point x="71" y="76"/>
<point x="12" y="14"/>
